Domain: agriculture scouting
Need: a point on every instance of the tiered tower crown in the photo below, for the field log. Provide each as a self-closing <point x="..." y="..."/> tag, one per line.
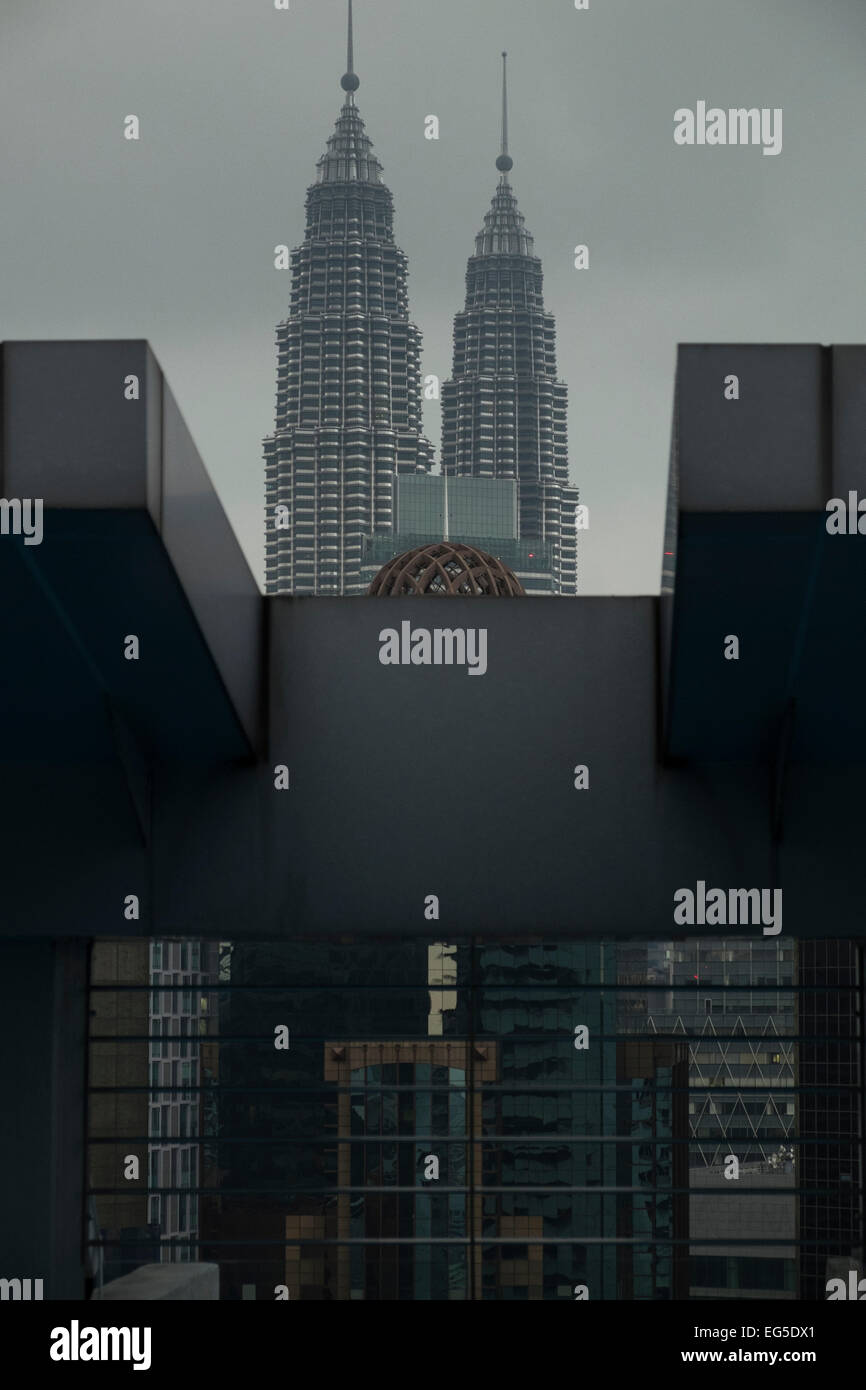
<point x="349" y="157"/>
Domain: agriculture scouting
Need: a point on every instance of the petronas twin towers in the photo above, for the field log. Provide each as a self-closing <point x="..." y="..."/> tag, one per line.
<point x="348" y="416"/>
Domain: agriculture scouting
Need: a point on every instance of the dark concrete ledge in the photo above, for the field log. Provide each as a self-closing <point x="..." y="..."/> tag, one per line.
<point x="135" y="540"/>
<point x="192" y="1282"/>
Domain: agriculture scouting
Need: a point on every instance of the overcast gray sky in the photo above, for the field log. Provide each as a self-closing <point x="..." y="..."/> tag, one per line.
<point x="172" y="238"/>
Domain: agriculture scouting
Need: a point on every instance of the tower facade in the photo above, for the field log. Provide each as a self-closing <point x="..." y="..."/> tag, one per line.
<point x="348" y="413"/>
<point x="504" y="410"/>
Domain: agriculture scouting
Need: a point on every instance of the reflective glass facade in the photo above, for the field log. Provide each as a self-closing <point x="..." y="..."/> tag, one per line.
<point x="455" y="508"/>
<point x="520" y="1120"/>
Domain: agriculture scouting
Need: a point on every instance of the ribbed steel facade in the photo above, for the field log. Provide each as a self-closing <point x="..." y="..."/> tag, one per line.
<point x="348" y="411"/>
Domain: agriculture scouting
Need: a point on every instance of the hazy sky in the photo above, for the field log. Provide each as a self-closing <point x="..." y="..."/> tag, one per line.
<point x="172" y="238"/>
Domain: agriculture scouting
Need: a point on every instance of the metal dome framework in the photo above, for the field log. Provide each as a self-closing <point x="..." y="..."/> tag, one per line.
<point x="446" y="569"/>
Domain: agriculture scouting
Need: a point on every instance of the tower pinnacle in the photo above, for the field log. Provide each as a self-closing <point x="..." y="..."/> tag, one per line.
<point x="504" y="163"/>
<point x="350" y="82"/>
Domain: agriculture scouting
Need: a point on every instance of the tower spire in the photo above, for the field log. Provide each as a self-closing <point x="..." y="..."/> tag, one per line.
<point x="504" y="163"/>
<point x="350" y="81"/>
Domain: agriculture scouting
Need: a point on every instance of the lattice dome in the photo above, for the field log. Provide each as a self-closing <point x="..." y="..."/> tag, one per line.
<point x="446" y="569"/>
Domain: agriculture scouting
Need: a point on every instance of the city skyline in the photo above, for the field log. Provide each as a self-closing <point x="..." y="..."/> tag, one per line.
<point x="331" y="972"/>
<point x="349" y="383"/>
<point x="171" y="239"/>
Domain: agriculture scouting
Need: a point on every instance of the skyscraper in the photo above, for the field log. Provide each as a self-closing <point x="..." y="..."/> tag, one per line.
<point x="504" y="410"/>
<point x="348" y="375"/>
<point x="557" y="1166"/>
<point x="732" y="1001"/>
<point x="830" y="1026"/>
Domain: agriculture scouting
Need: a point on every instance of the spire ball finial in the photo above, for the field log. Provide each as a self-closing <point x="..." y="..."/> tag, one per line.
<point x="350" y="82"/>
<point x="504" y="163"/>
